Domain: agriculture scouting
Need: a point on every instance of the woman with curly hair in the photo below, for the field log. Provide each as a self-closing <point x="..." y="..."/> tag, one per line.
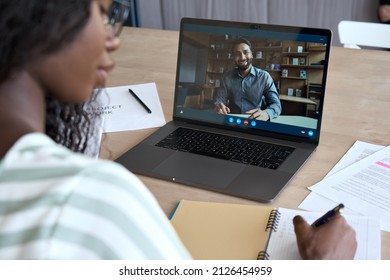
<point x="56" y="202"/>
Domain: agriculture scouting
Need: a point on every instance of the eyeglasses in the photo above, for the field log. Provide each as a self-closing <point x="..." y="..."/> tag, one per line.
<point x="117" y="15"/>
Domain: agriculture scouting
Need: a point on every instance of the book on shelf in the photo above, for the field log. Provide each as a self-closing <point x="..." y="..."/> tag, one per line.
<point x="223" y="231"/>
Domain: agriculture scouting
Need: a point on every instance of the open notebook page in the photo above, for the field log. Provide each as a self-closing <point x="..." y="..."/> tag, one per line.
<point x="283" y="245"/>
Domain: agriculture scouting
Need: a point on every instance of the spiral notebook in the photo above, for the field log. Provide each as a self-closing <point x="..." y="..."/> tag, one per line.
<point x="224" y="231"/>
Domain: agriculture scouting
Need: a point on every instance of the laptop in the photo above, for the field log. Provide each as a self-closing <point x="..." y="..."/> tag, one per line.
<point x="296" y="58"/>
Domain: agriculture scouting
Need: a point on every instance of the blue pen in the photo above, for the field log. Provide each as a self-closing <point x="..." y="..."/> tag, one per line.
<point x="325" y="218"/>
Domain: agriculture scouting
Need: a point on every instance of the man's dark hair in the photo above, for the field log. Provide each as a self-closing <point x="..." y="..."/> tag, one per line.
<point x="32" y="29"/>
<point x="242" y="40"/>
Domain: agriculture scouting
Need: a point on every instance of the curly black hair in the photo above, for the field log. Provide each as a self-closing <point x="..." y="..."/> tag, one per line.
<point x="31" y="29"/>
<point x="74" y="125"/>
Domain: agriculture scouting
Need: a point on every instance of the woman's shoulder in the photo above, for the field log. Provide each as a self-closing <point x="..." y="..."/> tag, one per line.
<point x="92" y="194"/>
<point x="38" y="152"/>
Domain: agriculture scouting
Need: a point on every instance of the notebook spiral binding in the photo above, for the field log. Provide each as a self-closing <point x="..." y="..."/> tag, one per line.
<point x="263" y="255"/>
<point x="272" y="224"/>
<point x="273" y="220"/>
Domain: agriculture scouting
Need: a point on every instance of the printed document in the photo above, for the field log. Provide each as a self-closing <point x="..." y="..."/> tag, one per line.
<point x="363" y="187"/>
<point x="358" y="151"/>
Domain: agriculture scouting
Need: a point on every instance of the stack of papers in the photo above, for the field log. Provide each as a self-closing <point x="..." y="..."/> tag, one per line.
<point x="360" y="180"/>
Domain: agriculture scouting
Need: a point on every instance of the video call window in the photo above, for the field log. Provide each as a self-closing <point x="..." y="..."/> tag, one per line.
<point x="296" y="68"/>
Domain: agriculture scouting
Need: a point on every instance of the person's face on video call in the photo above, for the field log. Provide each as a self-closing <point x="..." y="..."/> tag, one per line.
<point x="242" y="56"/>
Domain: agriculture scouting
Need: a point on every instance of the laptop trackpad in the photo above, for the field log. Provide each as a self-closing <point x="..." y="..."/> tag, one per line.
<point x="190" y="168"/>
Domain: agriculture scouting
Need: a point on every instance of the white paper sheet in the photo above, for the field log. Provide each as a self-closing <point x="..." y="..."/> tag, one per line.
<point x="358" y="151"/>
<point x="364" y="186"/>
<point x="123" y="112"/>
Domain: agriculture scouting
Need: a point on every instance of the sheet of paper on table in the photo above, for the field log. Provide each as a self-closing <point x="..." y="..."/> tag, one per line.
<point x="121" y="111"/>
<point x="358" y="151"/>
<point x="350" y="180"/>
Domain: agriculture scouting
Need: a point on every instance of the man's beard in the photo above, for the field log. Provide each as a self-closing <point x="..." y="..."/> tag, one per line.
<point x="246" y="66"/>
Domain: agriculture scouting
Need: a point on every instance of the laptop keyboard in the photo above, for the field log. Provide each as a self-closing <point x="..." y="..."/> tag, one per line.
<point x="231" y="148"/>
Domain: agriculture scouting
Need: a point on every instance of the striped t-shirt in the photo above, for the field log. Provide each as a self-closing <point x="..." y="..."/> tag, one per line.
<point x="56" y="204"/>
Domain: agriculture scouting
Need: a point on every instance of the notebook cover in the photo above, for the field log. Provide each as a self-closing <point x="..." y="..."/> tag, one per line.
<point x="221" y="231"/>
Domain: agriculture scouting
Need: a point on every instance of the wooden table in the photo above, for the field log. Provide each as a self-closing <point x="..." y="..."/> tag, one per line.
<point x="357" y="107"/>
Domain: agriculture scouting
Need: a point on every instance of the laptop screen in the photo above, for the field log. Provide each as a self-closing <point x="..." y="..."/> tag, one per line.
<point x="253" y="77"/>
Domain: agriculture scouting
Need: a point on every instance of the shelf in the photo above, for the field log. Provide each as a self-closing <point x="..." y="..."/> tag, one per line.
<point x="317" y="49"/>
<point x="220" y="58"/>
<point x="268" y="48"/>
<point x="295" y="53"/>
<point x="294" y="78"/>
<point x="295" y="65"/>
<point x="303" y="66"/>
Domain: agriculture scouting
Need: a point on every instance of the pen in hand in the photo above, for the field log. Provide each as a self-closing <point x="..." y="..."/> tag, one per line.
<point x="325" y="218"/>
<point x="251" y="116"/>
<point x="140" y="101"/>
